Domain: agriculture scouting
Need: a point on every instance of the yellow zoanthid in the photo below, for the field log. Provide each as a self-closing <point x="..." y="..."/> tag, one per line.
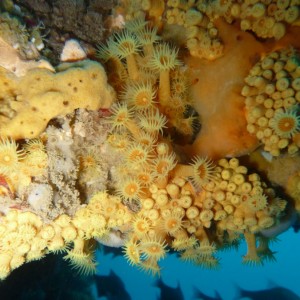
<point x="164" y="59"/>
<point x="132" y="252"/>
<point x="153" y="248"/>
<point x="139" y="95"/>
<point x="81" y="260"/>
<point x="10" y="156"/>
<point x="126" y="45"/>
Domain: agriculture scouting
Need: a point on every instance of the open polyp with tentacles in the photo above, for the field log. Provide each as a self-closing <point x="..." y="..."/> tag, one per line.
<point x="150" y="80"/>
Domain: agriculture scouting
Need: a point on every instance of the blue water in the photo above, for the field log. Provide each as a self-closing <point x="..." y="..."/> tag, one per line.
<point x="232" y="274"/>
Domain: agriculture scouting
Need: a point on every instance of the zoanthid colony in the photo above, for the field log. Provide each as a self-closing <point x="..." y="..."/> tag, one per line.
<point x="114" y="169"/>
<point x="272" y="94"/>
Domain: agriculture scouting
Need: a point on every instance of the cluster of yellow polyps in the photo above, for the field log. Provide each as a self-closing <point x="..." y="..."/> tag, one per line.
<point x="197" y="20"/>
<point x="168" y="216"/>
<point x="143" y="100"/>
<point x="24" y="236"/>
<point x="193" y="209"/>
<point x="169" y="209"/>
<point x="201" y="34"/>
<point x="266" y="20"/>
<point x="272" y="94"/>
<point x="230" y="200"/>
<point x="18" y="166"/>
